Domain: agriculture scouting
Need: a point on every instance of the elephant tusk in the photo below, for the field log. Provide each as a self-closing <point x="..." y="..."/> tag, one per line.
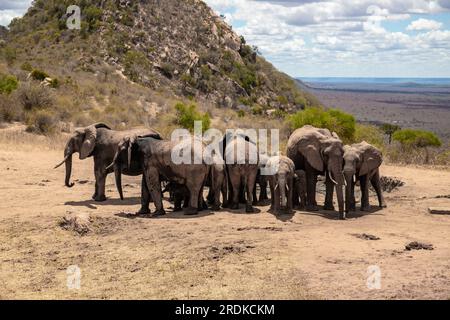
<point x="334" y="181"/>
<point x="64" y="161"/>
<point x="110" y="166"/>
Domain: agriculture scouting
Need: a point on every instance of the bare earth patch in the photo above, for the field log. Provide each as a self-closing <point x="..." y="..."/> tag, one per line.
<point x="216" y="255"/>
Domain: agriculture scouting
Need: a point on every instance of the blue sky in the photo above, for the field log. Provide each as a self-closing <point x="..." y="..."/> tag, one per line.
<point x="340" y="38"/>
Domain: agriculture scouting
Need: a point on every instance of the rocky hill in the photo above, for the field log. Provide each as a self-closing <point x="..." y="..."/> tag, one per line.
<point x="178" y="49"/>
<point x="3" y="32"/>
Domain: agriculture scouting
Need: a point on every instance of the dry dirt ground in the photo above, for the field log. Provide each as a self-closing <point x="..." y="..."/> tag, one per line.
<point x="220" y="255"/>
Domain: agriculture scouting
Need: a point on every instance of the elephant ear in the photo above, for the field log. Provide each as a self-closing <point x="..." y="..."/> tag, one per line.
<point x="90" y="135"/>
<point x="311" y="151"/>
<point x="371" y="159"/>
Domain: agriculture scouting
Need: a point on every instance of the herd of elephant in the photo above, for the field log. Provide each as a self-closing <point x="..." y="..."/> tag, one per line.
<point x="310" y="152"/>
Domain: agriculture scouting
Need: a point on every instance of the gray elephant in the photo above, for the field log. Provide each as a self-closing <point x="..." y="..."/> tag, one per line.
<point x="179" y="194"/>
<point x="156" y="158"/>
<point x="319" y="152"/>
<point x="100" y="142"/>
<point x="242" y="160"/>
<point x="362" y="162"/>
<point x="300" y="187"/>
<point x="281" y="183"/>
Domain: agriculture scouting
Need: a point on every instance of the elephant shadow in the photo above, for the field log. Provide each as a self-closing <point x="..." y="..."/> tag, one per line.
<point x="283" y="216"/>
<point x="168" y="215"/>
<point x="92" y="204"/>
<point x="334" y="215"/>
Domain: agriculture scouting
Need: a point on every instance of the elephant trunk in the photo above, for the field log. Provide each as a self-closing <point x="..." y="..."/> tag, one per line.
<point x="349" y="176"/>
<point x="282" y="186"/>
<point x="336" y="174"/>
<point x="68" y="163"/>
<point x="118" y="174"/>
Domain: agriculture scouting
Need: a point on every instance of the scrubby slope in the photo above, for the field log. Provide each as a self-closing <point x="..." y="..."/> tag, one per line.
<point x="177" y="47"/>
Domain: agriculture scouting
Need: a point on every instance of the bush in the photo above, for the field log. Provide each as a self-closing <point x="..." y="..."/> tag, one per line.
<point x="389" y="130"/>
<point x="10" y="110"/>
<point x="8" y="83"/>
<point x="92" y="15"/>
<point x="135" y="63"/>
<point x="42" y="122"/>
<point x="187" y="115"/>
<point x="26" y="66"/>
<point x="371" y="134"/>
<point x="34" y="96"/>
<point x="333" y="119"/>
<point x="417" y="139"/>
<point x="39" y="75"/>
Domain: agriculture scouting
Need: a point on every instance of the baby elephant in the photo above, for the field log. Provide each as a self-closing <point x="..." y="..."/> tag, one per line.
<point x="362" y="162"/>
<point x="180" y="195"/>
<point x="300" y="187"/>
<point x="281" y="181"/>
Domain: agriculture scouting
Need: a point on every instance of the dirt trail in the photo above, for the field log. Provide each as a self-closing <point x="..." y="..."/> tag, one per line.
<point x="223" y="255"/>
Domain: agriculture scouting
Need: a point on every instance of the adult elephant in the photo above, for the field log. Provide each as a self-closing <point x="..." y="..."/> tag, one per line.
<point x="362" y="162"/>
<point x="100" y="142"/>
<point x="319" y="152"/>
<point x="156" y="157"/>
<point x="242" y="162"/>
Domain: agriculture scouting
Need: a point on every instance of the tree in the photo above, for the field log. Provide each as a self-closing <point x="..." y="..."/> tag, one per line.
<point x="333" y="119"/>
<point x="187" y="115"/>
<point x="417" y="139"/>
<point x="390" y="129"/>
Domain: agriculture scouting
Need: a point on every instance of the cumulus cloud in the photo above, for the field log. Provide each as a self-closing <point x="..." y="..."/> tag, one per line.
<point x="10" y="9"/>
<point x="424" y="24"/>
<point x="344" y="37"/>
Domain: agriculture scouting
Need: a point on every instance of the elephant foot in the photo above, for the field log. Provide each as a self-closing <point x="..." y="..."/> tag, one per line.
<point x="328" y="207"/>
<point x="383" y="205"/>
<point x="342" y="216"/>
<point x="159" y="213"/>
<point x="365" y="208"/>
<point x="100" y="198"/>
<point x="215" y="207"/>
<point x="204" y="206"/>
<point x="225" y="205"/>
<point x="312" y="208"/>
<point x="143" y="211"/>
<point x="94" y="196"/>
<point x="234" y="206"/>
<point x="190" y="211"/>
<point x="249" y="209"/>
<point x="177" y="209"/>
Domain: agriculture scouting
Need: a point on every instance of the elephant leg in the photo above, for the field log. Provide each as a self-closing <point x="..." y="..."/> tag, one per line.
<point x="329" y="194"/>
<point x="211" y="195"/>
<point x="100" y="182"/>
<point x="311" y="183"/>
<point x="235" y="186"/>
<point x="263" y="194"/>
<point x="277" y="204"/>
<point x="272" y="193"/>
<point x="154" y="186"/>
<point x="290" y="195"/>
<point x="250" y="187"/>
<point x="145" y="197"/>
<point x="254" y="194"/>
<point x="295" y="195"/>
<point x="224" y="189"/>
<point x="365" y="206"/>
<point x="194" y="198"/>
<point x="242" y="193"/>
<point x="376" y="183"/>
<point x="352" y="197"/>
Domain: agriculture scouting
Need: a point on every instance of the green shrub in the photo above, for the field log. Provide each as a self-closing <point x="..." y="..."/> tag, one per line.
<point x="26" y="66"/>
<point x="389" y="130"/>
<point x="167" y="69"/>
<point x="187" y="115"/>
<point x="135" y="64"/>
<point x="8" y="83"/>
<point x="92" y="15"/>
<point x="419" y="139"/>
<point x="257" y="110"/>
<point x="39" y="75"/>
<point x="9" y="54"/>
<point x="241" y="113"/>
<point x="333" y="119"/>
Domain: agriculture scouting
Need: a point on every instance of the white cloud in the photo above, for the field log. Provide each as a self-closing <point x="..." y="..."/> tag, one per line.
<point x="424" y="24"/>
<point x="10" y="9"/>
<point x="343" y="37"/>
